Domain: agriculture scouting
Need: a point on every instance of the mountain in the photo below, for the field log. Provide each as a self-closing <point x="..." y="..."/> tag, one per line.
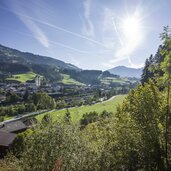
<point x="126" y="71"/>
<point x="15" y="64"/>
<point x="9" y="55"/>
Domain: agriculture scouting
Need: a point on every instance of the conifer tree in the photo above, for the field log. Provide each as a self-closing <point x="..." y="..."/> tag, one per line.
<point x="166" y="68"/>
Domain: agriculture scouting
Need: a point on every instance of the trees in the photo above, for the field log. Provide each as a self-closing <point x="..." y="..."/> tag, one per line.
<point x="30" y="107"/>
<point x="1" y="118"/>
<point x="12" y="98"/>
<point x="43" y="101"/>
<point x="67" y="117"/>
<point x="161" y="73"/>
<point x="55" y="142"/>
<point x="147" y="73"/>
<point x="46" y="120"/>
<point x="144" y="106"/>
<point x="105" y="114"/>
<point x="152" y="68"/>
<point x="166" y="68"/>
<point x="89" y="118"/>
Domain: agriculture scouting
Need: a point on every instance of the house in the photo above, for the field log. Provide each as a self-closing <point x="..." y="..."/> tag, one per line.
<point x="38" y="80"/>
<point x="8" y="131"/>
<point x="13" y="127"/>
<point x="6" y="140"/>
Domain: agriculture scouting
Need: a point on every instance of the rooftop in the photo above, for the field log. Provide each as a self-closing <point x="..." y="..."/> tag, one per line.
<point x="6" y="138"/>
<point x="12" y="127"/>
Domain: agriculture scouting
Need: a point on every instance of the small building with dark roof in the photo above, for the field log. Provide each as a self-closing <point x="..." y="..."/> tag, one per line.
<point x="13" y="127"/>
<point x="6" y="140"/>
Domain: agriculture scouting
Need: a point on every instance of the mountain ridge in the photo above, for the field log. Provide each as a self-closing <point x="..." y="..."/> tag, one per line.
<point x="124" y="71"/>
<point x="8" y="54"/>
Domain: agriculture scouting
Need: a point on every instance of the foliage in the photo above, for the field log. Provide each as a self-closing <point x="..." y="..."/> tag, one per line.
<point x="43" y="101"/>
<point x="14" y="68"/>
<point x="55" y="142"/>
<point x="67" y="117"/>
<point x="12" y="98"/>
<point x="10" y="163"/>
<point x="12" y="110"/>
<point x="106" y="114"/>
<point x="166" y="78"/>
<point x="166" y="52"/>
<point x="1" y="118"/>
<point x="145" y="107"/>
<point x="147" y="71"/>
<point x="93" y="116"/>
<point x="18" y="144"/>
<point x="37" y="101"/>
<point x="46" y="120"/>
<point x="30" y="107"/>
<point x="153" y="66"/>
<point x="89" y="118"/>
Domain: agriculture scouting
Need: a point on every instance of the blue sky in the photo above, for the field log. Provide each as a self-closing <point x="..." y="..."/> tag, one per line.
<point x="92" y="34"/>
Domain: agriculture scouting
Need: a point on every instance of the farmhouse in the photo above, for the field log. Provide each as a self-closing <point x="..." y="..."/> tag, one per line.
<point x="6" y="140"/>
<point x="13" y="127"/>
<point x="8" y="133"/>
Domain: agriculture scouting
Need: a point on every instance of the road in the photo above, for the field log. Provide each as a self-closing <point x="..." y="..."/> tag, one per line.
<point x="104" y="101"/>
<point x="19" y="117"/>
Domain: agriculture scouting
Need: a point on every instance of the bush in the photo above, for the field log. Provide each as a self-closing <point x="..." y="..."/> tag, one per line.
<point x="55" y="143"/>
<point x="89" y="118"/>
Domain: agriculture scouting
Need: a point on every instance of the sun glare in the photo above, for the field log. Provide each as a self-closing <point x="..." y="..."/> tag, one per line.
<point x="131" y="26"/>
<point x="132" y="31"/>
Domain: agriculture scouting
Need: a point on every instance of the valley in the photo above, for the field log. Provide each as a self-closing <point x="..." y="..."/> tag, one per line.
<point x="85" y="85"/>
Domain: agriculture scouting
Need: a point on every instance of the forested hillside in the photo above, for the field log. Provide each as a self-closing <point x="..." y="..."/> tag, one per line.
<point x="10" y="55"/>
<point x="13" y="62"/>
<point x="158" y="66"/>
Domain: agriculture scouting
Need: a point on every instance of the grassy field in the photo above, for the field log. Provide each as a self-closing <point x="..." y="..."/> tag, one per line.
<point x="109" y="80"/>
<point x="69" y="81"/>
<point x="23" y="77"/>
<point x="76" y="113"/>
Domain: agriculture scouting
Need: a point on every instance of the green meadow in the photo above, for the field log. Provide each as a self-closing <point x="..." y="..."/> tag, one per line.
<point x="109" y="80"/>
<point x="77" y="112"/>
<point x="23" y="77"/>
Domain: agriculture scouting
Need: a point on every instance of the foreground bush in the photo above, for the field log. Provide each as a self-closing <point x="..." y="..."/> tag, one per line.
<point x="56" y="144"/>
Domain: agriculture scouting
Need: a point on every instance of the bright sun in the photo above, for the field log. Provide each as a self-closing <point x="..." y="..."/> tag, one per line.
<point x="132" y="31"/>
<point x="131" y="26"/>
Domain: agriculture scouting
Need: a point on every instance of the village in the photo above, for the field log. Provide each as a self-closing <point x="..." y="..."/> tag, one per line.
<point x="68" y="93"/>
<point x="66" y="96"/>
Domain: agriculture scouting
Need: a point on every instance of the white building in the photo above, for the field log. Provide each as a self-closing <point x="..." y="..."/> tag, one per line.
<point x="38" y="80"/>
